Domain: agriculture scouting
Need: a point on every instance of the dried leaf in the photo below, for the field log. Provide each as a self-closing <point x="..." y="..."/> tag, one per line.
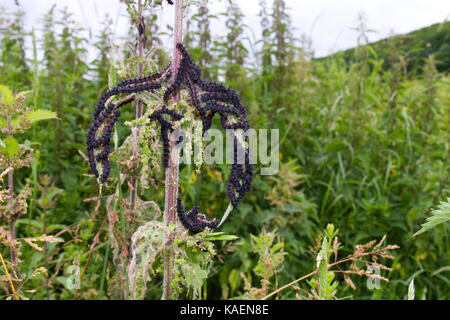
<point x="33" y="245"/>
<point x="43" y="238"/>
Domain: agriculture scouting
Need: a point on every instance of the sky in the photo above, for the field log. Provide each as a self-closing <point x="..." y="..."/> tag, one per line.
<point x="329" y="23"/>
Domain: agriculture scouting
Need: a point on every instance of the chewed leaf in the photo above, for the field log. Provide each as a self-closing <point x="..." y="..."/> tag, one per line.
<point x="195" y="277"/>
<point x="146" y="244"/>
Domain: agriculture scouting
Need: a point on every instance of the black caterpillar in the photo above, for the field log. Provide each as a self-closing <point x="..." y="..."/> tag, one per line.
<point x="105" y="118"/>
<point x="194" y="221"/>
<point x="208" y="99"/>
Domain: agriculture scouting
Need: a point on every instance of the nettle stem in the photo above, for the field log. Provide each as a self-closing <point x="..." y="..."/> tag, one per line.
<point x="12" y="224"/>
<point x="171" y="182"/>
<point x="139" y="106"/>
<point x="140" y="25"/>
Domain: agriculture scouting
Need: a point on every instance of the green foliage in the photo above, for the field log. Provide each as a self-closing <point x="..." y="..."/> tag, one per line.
<point x="364" y="144"/>
<point x="13" y="64"/>
<point x="327" y="287"/>
<point x="17" y="118"/>
<point x="271" y="255"/>
<point x="415" y="46"/>
<point x="199" y="41"/>
<point x="233" y="49"/>
<point x="7" y="95"/>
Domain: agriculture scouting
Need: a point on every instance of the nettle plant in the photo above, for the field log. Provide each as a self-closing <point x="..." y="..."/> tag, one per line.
<point x="16" y="118"/>
<point x="171" y="106"/>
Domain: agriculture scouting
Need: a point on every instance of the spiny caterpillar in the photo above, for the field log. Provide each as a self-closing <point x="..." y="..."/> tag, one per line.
<point x="105" y="118"/>
<point x="194" y="221"/>
<point x="208" y="98"/>
<point x="166" y="127"/>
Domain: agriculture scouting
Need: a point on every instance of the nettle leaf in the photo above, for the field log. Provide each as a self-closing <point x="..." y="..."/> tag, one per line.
<point x="41" y="114"/>
<point x="220" y="236"/>
<point x="234" y="279"/>
<point x="9" y="147"/>
<point x="438" y="216"/>
<point x="7" y="97"/>
<point x="195" y="276"/>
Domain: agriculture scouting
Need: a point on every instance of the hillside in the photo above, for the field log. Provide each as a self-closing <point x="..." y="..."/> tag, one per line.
<point x="415" y="47"/>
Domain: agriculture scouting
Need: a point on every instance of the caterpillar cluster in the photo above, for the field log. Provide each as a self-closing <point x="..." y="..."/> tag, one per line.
<point x="208" y="99"/>
<point x="106" y="115"/>
<point x="194" y="221"/>
<point x="104" y="124"/>
<point x="241" y="175"/>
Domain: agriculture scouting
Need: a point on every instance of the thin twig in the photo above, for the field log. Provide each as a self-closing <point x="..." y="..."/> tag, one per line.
<point x="97" y="236"/>
<point x="82" y="274"/>
<point x="13" y="219"/>
<point x="289" y="285"/>
<point x="9" y="277"/>
<point x="349" y="258"/>
<point x="171" y="184"/>
<point x="139" y="105"/>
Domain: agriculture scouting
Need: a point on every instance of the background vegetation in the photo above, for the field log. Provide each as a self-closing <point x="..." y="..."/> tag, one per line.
<point x="365" y="143"/>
